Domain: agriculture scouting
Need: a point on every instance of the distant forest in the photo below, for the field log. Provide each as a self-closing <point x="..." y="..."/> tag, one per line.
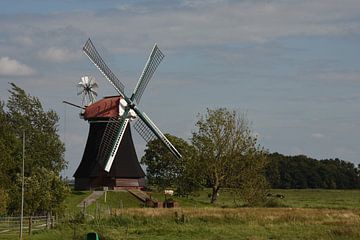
<point x="304" y="172"/>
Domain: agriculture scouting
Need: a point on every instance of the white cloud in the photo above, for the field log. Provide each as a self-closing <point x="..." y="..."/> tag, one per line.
<point x="201" y="3"/>
<point x="12" y="67"/>
<point x="58" y="54"/>
<point x="339" y="76"/>
<point x="203" y="24"/>
<point x="317" y="135"/>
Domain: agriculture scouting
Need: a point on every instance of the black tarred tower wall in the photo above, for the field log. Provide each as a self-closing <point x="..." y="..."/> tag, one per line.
<point x="125" y="171"/>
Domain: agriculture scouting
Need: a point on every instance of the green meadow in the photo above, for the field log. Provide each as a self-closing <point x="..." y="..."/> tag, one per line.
<point x="293" y="198"/>
<point x="302" y="214"/>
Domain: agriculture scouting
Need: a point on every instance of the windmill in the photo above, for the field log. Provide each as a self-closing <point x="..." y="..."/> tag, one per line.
<point x="118" y="112"/>
<point x="86" y="88"/>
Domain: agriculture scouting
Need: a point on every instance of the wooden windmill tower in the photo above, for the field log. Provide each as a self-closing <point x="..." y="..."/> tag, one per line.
<point x="109" y="158"/>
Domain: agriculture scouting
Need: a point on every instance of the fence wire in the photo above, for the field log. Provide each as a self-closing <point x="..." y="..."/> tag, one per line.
<point x="11" y="225"/>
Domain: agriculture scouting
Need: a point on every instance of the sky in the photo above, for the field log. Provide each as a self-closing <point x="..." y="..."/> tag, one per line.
<point x="291" y="66"/>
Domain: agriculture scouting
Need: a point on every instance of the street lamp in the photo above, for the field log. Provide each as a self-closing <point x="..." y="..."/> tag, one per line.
<point x="22" y="188"/>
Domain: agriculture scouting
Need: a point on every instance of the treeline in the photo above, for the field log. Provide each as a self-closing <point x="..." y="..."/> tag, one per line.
<point x="304" y="172"/>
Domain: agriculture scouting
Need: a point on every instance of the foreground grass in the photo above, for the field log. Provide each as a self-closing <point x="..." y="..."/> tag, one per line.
<point x="217" y="223"/>
<point x="302" y="214"/>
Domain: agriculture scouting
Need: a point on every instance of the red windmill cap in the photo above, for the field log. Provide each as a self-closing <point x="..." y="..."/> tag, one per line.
<point x="105" y="108"/>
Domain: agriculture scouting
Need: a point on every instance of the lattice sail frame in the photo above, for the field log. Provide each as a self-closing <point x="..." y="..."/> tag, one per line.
<point x="90" y="50"/>
<point x="144" y="131"/>
<point x="153" y="62"/>
<point x="108" y="138"/>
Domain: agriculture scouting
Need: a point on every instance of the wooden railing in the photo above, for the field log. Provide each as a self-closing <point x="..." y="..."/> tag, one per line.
<point x="11" y="225"/>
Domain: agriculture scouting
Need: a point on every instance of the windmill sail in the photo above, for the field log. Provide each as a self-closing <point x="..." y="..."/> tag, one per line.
<point x="90" y="50"/>
<point x="107" y="140"/>
<point x="144" y="131"/>
<point x="152" y="63"/>
<point x="116" y="145"/>
<point x="110" y="142"/>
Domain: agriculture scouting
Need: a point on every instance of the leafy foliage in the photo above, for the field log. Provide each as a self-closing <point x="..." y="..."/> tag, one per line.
<point x="164" y="170"/>
<point x="227" y="155"/>
<point x="304" y="172"/>
<point x="44" y="154"/>
<point x="10" y="148"/>
<point x="3" y="201"/>
<point x="223" y="153"/>
<point x="25" y="113"/>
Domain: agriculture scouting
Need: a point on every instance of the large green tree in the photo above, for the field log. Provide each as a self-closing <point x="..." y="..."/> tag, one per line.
<point x="9" y="154"/>
<point x="227" y="154"/>
<point x="44" y="147"/>
<point x="44" y="154"/>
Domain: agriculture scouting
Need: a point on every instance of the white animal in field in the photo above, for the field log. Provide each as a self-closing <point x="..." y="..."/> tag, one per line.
<point x="169" y="192"/>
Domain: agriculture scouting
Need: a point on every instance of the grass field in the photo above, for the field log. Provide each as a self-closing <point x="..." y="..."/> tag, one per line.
<point x="294" y="198"/>
<point x="217" y="223"/>
<point x="305" y="214"/>
<point x="74" y="199"/>
<point x="319" y="198"/>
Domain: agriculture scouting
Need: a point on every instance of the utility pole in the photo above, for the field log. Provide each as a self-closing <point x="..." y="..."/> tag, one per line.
<point x="22" y="188"/>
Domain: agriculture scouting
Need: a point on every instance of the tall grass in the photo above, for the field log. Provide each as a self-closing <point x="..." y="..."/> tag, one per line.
<point x="220" y="223"/>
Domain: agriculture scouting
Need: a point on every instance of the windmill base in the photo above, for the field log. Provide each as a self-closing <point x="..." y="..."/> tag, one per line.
<point x="110" y="183"/>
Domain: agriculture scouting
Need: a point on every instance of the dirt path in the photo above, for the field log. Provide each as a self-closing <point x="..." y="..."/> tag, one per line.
<point x="91" y="198"/>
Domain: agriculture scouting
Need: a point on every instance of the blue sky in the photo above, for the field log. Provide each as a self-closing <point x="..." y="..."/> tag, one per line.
<point x="291" y="66"/>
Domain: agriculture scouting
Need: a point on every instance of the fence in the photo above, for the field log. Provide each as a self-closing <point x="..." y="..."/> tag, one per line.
<point x="11" y="225"/>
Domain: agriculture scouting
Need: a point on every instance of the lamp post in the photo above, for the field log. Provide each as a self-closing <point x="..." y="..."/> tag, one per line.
<point x="22" y="188"/>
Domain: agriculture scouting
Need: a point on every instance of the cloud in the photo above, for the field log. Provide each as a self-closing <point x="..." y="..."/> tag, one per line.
<point x="338" y="76"/>
<point x="201" y="24"/>
<point x="12" y="67"/>
<point x="317" y="135"/>
<point x="58" y="54"/>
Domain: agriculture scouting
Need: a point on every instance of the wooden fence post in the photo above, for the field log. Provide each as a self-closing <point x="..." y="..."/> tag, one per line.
<point x="47" y="220"/>
<point x="30" y="224"/>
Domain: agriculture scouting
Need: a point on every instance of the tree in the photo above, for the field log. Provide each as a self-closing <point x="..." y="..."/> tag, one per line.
<point x="45" y="192"/>
<point x="10" y="149"/>
<point x="226" y="153"/>
<point x="44" y="154"/>
<point x="3" y="201"/>
<point x="25" y="113"/>
<point x="164" y="170"/>
<point x="305" y="172"/>
<point x="247" y="180"/>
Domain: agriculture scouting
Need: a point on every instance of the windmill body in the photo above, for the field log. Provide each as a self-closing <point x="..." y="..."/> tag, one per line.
<point x="125" y="171"/>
